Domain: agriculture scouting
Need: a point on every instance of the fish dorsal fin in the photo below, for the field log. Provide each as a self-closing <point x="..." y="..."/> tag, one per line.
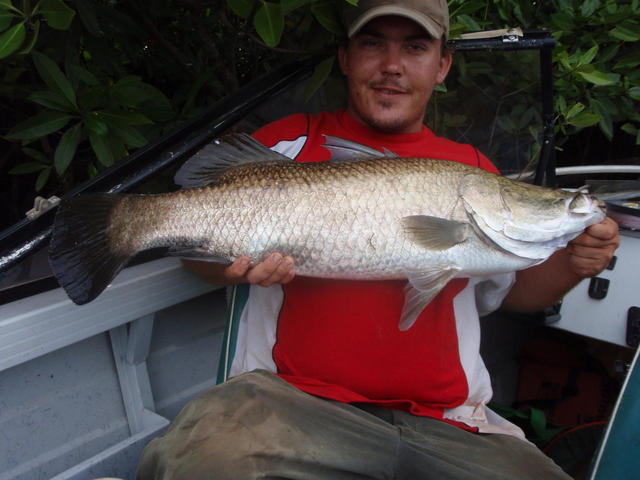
<point x="421" y="289"/>
<point x="221" y="155"/>
<point x="434" y="233"/>
<point x="343" y="150"/>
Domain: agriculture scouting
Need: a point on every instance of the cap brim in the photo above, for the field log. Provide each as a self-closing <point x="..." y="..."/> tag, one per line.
<point x="430" y="25"/>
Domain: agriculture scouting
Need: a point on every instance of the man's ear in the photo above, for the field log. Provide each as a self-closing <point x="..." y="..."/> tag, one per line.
<point x="342" y="58"/>
<point x="445" y="65"/>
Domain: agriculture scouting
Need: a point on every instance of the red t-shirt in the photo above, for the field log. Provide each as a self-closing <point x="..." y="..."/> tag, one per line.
<point x="339" y="339"/>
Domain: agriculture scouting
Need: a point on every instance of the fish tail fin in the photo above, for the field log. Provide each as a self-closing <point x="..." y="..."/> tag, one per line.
<point x="83" y="258"/>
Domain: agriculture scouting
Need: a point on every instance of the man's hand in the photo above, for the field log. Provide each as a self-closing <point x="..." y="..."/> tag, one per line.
<point x="591" y="251"/>
<point x="273" y="269"/>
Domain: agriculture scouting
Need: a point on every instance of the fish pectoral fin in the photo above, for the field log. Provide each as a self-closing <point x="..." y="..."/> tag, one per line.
<point x="421" y="289"/>
<point x="218" y="157"/>
<point x="435" y="233"/>
<point x="343" y="150"/>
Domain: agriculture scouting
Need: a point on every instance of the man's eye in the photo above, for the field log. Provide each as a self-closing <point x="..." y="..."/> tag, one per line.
<point x="416" y="47"/>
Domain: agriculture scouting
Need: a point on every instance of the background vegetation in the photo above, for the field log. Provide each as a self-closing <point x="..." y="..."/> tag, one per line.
<point x="85" y="82"/>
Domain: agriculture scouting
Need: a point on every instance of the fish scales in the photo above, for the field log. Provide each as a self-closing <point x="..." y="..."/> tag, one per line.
<point x="337" y="220"/>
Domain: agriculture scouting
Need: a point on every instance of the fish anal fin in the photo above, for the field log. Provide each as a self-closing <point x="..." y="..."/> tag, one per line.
<point x="197" y="253"/>
<point x="421" y="289"/>
<point x="435" y="233"/>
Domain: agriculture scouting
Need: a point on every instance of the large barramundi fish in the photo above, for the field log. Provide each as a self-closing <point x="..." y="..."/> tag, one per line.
<point x="373" y="217"/>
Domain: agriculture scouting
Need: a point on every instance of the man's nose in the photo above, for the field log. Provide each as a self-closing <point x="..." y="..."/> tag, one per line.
<point x="392" y="61"/>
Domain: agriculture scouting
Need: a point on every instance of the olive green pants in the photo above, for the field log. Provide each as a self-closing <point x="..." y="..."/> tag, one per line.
<point x="256" y="426"/>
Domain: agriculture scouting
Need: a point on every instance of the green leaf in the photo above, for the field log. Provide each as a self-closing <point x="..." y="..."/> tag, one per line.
<point x="575" y="109"/>
<point x="53" y="76"/>
<point x="6" y="17"/>
<point x="588" y="7"/>
<point x="35" y="154"/>
<point x="66" y="148"/>
<point x="86" y="12"/>
<point x="242" y="8"/>
<point x="562" y="21"/>
<point x="95" y="124"/>
<point x="85" y="76"/>
<point x="34" y="37"/>
<point x="25" y="168"/>
<point x="630" y="60"/>
<point x="561" y="104"/>
<point x="40" y="125"/>
<point x="609" y="53"/>
<point x="129" y="135"/>
<point x="595" y="77"/>
<point x="43" y="178"/>
<point x="468" y="7"/>
<point x="118" y="150"/>
<point x="327" y="16"/>
<point x="319" y="76"/>
<point x="585" y="119"/>
<point x="52" y="100"/>
<point x="128" y="118"/>
<point x="469" y="22"/>
<point x="57" y="14"/>
<point x="131" y="91"/>
<point x="602" y="108"/>
<point x="563" y="58"/>
<point x="92" y="171"/>
<point x="627" y="32"/>
<point x="588" y="56"/>
<point x="291" y="5"/>
<point x="634" y="92"/>
<point x="7" y="5"/>
<point x="11" y="40"/>
<point x="101" y="149"/>
<point x="629" y="128"/>
<point x="269" y="23"/>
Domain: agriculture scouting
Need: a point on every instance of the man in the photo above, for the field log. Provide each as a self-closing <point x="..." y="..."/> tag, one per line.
<point x="353" y="396"/>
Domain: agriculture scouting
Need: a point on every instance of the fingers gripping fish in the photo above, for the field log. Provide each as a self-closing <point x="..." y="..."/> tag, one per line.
<point x="432" y="220"/>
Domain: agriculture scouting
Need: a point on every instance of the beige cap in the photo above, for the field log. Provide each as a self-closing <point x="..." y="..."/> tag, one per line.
<point x="432" y="15"/>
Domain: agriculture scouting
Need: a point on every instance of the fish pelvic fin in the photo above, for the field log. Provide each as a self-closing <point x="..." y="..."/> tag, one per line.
<point x="81" y="255"/>
<point x="223" y="154"/>
<point x="434" y="233"/>
<point x="421" y="289"/>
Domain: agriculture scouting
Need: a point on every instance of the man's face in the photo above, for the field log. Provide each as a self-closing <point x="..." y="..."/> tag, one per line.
<point x="392" y="66"/>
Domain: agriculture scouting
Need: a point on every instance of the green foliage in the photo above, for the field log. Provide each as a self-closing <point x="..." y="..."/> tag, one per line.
<point x="269" y="23"/>
<point x="83" y="83"/>
<point x="597" y="82"/>
<point x="105" y="113"/>
<point x="595" y="60"/>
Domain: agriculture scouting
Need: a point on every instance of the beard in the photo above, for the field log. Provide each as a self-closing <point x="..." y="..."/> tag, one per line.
<point x="386" y="121"/>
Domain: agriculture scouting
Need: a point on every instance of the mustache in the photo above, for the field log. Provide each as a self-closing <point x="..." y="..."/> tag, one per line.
<point x="390" y="83"/>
